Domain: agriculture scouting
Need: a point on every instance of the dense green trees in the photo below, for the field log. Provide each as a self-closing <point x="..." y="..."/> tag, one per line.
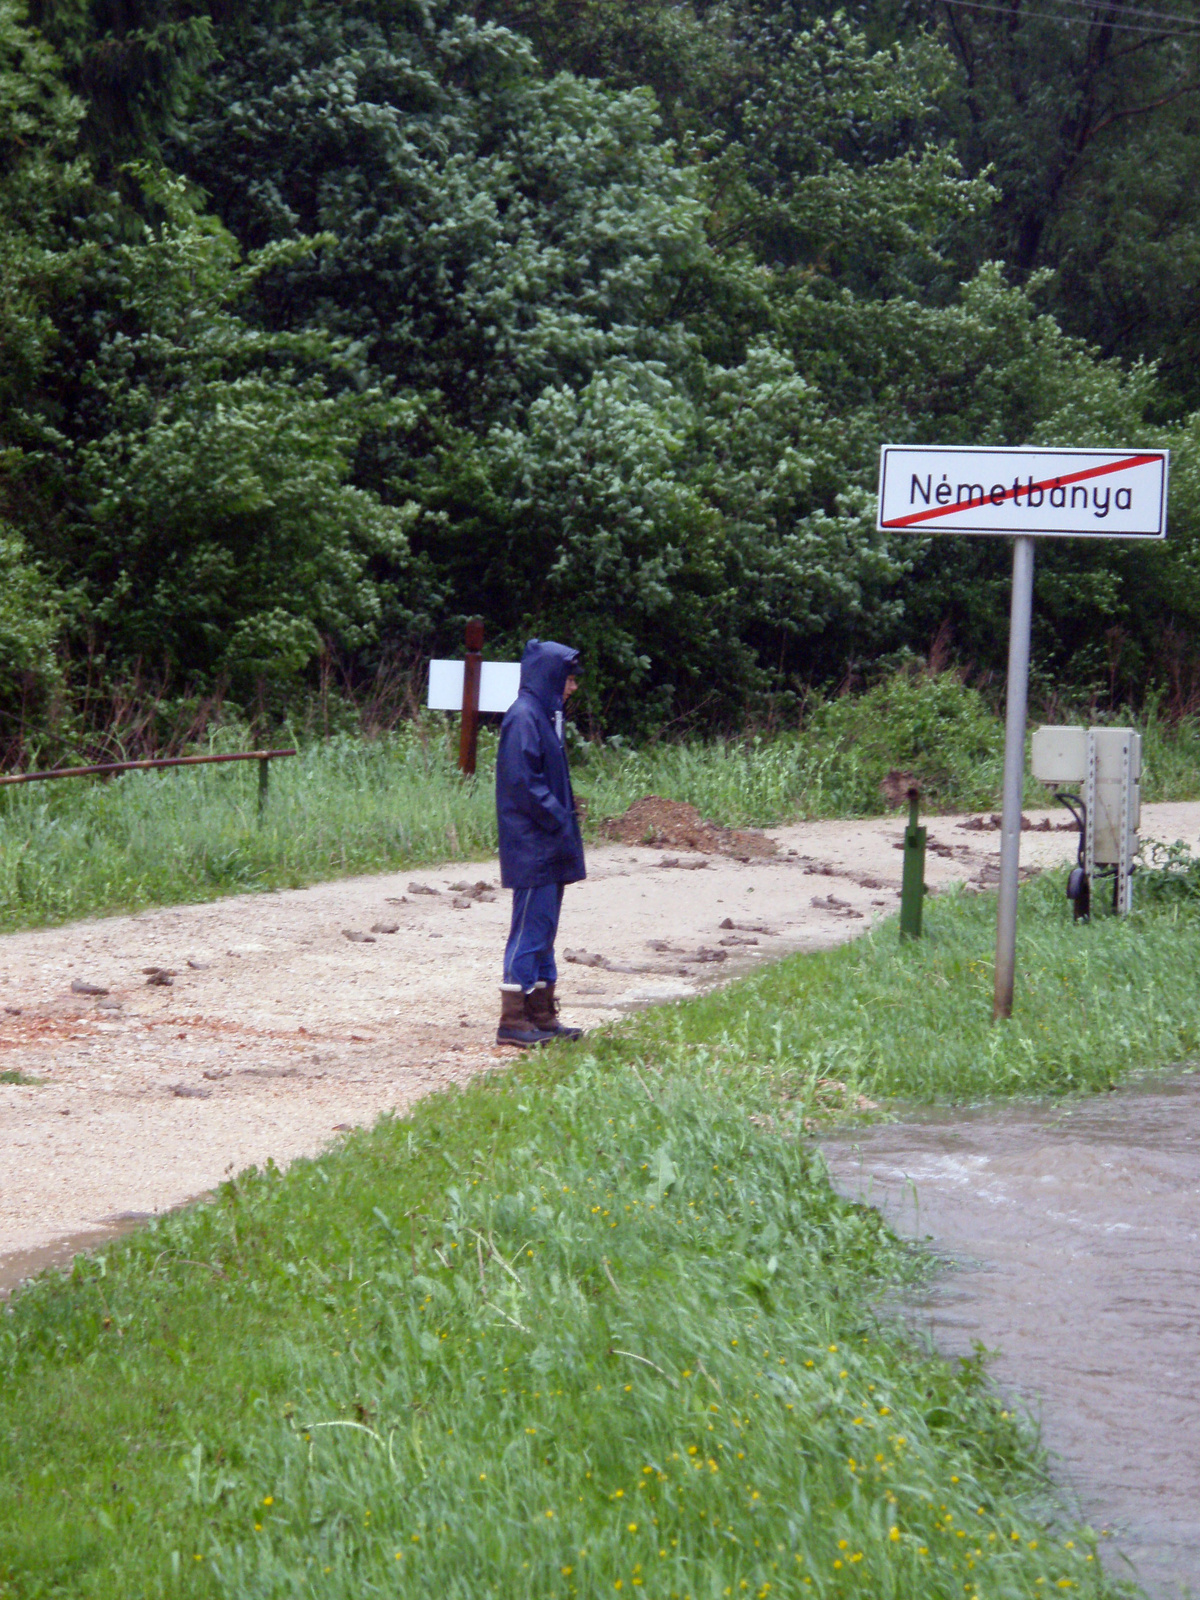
<point x="327" y="326"/>
<point x="211" y="519"/>
<point x="1085" y="117"/>
<point x="1088" y="119"/>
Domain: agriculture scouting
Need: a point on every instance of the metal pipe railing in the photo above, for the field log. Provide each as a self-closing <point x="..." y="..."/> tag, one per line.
<point x="139" y="766"/>
<point x="104" y="768"/>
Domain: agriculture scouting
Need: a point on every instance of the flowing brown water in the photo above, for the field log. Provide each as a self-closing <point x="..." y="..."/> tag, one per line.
<point x="1075" y="1229"/>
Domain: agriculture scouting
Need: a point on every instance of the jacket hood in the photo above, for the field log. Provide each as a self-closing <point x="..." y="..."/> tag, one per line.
<point x="545" y="668"/>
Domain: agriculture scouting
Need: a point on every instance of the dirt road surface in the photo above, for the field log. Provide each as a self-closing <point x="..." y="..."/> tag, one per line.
<point x="276" y="1030"/>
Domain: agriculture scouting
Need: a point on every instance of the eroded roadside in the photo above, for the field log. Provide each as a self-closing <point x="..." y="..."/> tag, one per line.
<point x="275" y="1029"/>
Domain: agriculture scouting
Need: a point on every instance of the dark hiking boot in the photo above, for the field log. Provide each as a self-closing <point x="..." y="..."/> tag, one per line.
<point x="516" y="1026"/>
<point x="542" y="1009"/>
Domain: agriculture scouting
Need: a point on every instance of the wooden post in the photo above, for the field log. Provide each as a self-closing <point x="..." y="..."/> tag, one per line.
<point x="469" y="729"/>
<point x="264" y="784"/>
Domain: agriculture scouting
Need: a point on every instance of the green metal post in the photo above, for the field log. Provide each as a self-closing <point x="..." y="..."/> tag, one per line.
<point x="264" y="784"/>
<point x="912" y="884"/>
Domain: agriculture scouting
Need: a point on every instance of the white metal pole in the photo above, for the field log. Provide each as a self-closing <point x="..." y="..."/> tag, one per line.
<point x="1014" y="773"/>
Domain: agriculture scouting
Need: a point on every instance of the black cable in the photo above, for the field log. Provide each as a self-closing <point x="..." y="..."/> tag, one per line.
<point x="1071" y="801"/>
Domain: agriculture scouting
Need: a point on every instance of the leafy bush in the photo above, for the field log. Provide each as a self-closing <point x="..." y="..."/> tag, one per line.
<point x="1167" y="874"/>
<point x="935" y="727"/>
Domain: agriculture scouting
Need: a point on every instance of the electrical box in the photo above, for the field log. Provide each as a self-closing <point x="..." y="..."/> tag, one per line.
<point x="1105" y="766"/>
<point x="1060" y="754"/>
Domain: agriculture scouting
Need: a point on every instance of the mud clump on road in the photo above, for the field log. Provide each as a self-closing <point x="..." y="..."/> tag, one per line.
<point x="675" y="825"/>
<point x="994" y="822"/>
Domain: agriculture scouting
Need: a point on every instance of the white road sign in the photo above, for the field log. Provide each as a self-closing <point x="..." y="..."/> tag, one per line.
<point x="499" y="684"/>
<point x="1095" y="494"/>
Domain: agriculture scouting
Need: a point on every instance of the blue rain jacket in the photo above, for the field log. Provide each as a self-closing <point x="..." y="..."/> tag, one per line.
<point x="535" y="807"/>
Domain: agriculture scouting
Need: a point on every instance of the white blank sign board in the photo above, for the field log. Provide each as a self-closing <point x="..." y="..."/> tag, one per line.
<point x="499" y="683"/>
<point x="1093" y="494"/>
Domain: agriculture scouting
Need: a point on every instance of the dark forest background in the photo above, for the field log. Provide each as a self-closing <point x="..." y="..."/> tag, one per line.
<point x="325" y="326"/>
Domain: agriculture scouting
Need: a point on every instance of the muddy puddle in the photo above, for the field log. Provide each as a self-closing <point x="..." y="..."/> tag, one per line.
<point x="19" y="1266"/>
<point x="23" y="1264"/>
<point x="1074" y="1236"/>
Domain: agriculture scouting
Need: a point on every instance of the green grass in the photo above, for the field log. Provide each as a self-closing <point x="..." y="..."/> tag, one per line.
<point x="595" y="1325"/>
<point x="936" y="728"/>
<point x="76" y="848"/>
<point x="73" y="848"/>
<point x="913" y="1021"/>
<point x="933" y="727"/>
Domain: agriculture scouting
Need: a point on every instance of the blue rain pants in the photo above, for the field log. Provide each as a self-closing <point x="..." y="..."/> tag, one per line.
<point x="529" y="954"/>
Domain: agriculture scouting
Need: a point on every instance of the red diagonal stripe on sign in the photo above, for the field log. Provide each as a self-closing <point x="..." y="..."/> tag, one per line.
<point x="1059" y="482"/>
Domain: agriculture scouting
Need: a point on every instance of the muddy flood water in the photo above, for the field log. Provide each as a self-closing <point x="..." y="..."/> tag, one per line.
<point x="1074" y="1236"/>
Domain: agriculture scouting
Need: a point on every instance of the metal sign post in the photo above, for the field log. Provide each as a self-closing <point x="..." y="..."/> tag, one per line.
<point x="1016" y="700"/>
<point x="1024" y="493"/>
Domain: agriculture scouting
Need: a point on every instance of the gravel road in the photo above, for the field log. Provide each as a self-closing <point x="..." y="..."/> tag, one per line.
<point x="253" y="1028"/>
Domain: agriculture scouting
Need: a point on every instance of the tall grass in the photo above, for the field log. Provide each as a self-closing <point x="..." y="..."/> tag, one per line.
<point x="1170" y="757"/>
<point x="71" y="848"/>
<point x="77" y="847"/>
<point x="597" y="1326"/>
<point x="933" y="727"/>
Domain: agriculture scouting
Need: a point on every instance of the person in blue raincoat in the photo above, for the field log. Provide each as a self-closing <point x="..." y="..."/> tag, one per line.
<point x="541" y="849"/>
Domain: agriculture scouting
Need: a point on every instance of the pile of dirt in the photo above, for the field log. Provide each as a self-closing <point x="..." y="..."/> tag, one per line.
<point x="675" y="825"/>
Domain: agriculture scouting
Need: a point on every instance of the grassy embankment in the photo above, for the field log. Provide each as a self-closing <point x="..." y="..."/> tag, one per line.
<point x="595" y="1326"/>
<point x="80" y="847"/>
